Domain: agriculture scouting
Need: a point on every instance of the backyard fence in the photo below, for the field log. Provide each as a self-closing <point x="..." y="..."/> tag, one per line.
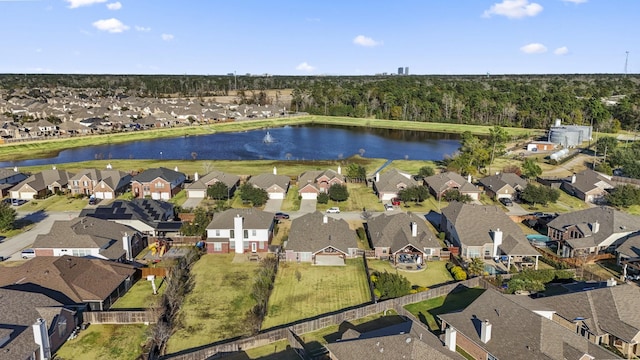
<point x="286" y="332"/>
<point x="120" y="317"/>
<point x="157" y="271"/>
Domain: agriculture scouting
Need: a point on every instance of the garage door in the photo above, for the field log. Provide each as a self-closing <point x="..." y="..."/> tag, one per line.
<point x="309" y="195"/>
<point x="26" y="195"/>
<point x="155" y="196"/>
<point x="278" y="195"/>
<point x="198" y="194"/>
<point x="99" y="195"/>
<point x="329" y="260"/>
<point x="108" y="195"/>
<point x="165" y="196"/>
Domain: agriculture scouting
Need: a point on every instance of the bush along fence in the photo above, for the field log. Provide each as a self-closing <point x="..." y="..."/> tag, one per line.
<point x="265" y="276"/>
<point x="293" y="331"/>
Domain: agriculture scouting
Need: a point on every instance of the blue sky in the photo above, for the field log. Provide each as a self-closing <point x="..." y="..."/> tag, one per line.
<point x="316" y="37"/>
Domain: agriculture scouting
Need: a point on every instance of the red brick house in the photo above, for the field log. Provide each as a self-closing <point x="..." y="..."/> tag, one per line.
<point x="103" y="184"/>
<point x="158" y="183"/>
<point x="312" y="183"/>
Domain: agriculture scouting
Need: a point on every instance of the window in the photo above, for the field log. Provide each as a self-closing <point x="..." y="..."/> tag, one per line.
<point x="246" y="244"/>
<point x="384" y="251"/>
<point x="232" y="234"/>
<point x="491" y="357"/>
<point x="246" y="234"/>
<point x="427" y="251"/>
<point x="159" y="185"/>
<point x="217" y="232"/>
<point x="80" y="252"/>
<point x="254" y="232"/>
<point x="217" y="246"/>
<point x="232" y="245"/>
<point x="84" y="183"/>
<point x="62" y="327"/>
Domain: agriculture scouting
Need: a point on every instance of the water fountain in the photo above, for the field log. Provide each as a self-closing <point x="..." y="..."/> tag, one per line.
<point x="267" y="138"/>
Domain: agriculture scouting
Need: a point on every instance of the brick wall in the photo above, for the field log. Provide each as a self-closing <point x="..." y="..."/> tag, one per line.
<point x="470" y="347"/>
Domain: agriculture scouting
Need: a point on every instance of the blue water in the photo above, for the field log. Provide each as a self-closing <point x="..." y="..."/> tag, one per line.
<point x="537" y="237"/>
<point x="288" y="143"/>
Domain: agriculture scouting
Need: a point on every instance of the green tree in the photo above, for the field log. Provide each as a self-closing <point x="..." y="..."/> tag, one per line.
<point x="7" y="216"/>
<point x="198" y="227"/>
<point x="323" y="198"/>
<point x="624" y="196"/>
<point x="540" y="194"/>
<point x="338" y="192"/>
<point x="455" y="195"/>
<point x="426" y="171"/>
<point x="356" y="172"/>
<point x="256" y="196"/>
<point x="606" y="144"/>
<point x="476" y="267"/>
<point x="530" y="169"/>
<point x="218" y="191"/>
<point x="497" y="141"/>
<point x="417" y="193"/>
<point x="389" y="285"/>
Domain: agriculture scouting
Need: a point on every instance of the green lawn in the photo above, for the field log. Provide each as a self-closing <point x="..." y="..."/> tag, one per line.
<point x="120" y="342"/>
<point x="365" y="324"/>
<point x="434" y="274"/>
<point x="179" y="198"/>
<point x="321" y="289"/>
<point x="140" y="296"/>
<point x="360" y="197"/>
<point x="279" y="350"/>
<point x="216" y="307"/>
<point x="55" y="203"/>
<point x="292" y="201"/>
<point x="427" y="310"/>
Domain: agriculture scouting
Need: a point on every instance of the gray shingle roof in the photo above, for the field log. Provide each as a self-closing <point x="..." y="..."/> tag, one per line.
<point x="394" y="231"/>
<point x="265" y="181"/>
<point x="41" y="180"/>
<point x="440" y="182"/>
<point x="311" y="233"/>
<point x="253" y="219"/>
<point x="518" y="333"/>
<point x="497" y="182"/>
<point x="394" y="180"/>
<point x="115" y="179"/>
<point x="203" y="182"/>
<point x="475" y="224"/>
<point x="311" y="177"/>
<point x="587" y="180"/>
<point x="161" y="172"/>
<point x="630" y="247"/>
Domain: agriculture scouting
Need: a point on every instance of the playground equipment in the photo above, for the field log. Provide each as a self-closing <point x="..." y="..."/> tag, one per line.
<point x="159" y="247"/>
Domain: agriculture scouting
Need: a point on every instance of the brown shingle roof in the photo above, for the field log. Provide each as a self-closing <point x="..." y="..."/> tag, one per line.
<point x="394" y="231"/>
<point x="311" y="233"/>
<point x="253" y="219"/>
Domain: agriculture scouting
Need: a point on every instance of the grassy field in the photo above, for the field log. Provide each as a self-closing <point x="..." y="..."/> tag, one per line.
<point x="140" y="296"/>
<point x="321" y="289"/>
<point x="121" y="342"/>
<point x="360" y="196"/>
<point x="55" y="203"/>
<point x="292" y="201"/>
<point x="216" y="307"/>
<point x="279" y="350"/>
<point x="42" y="148"/>
<point x="435" y="272"/>
<point x="427" y="310"/>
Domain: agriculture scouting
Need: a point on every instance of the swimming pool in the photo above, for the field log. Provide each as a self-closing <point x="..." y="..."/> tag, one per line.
<point x="538" y="240"/>
<point x="491" y="270"/>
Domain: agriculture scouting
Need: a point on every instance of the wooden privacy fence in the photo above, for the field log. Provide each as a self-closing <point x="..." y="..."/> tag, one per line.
<point x="157" y="271"/>
<point x="120" y="317"/>
<point x="293" y="330"/>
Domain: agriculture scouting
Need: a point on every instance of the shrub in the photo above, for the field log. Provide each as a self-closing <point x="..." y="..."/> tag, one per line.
<point x="458" y="273"/>
<point x="323" y="198"/>
<point x="361" y="233"/>
<point x="449" y="265"/>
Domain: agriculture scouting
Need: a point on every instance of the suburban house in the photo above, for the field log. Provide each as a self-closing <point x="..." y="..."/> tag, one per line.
<point x="320" y="240"/>
<point x="503" y="185"/>
<point x="495" y="326"/>
<point x="10" y="178"/>
<point x="41" y="184"/>
<point x="275" y="185"/>
<point x="408" y="340"/>
<point x="588" y="186"/>
<point x="604" y="316"/>
<point x="403" y="238"/>
<point x="198" y="189"/>
<point x="90" y="237"/>
<point x="312" y="183"/>
<point x="485" y="231"/>
<point x="158" y="183"/>
<point x="32" y="325"/>
<point x="147" y="216"/>
<point x="628" y="252"/>
<point x="387" y="184"/>
<point x="103" y="184"/>
<point x="439" y="184"/>
<point x="591" y="231"/>
<point x="240" y="231"/>
<point x="81" y="283"/>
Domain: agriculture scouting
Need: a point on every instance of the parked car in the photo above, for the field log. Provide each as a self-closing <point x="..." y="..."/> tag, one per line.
<point x="506" y="201"/>
<point x="333" y="210"/>
<point x="281" y="216"/>
<point x="14" y="202"/>
<point x="395" y="201"/>
<point x="93" y="201"/>
<point x="388" y="207"/>
<point x="28" y="253"/>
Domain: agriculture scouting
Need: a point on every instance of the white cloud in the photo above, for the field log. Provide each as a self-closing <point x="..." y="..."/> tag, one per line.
<point x="576" y="1"/>
<point x="79" y="3"/>
<point x="112" y="25"/>
<point x="167" y="37"/>
<point x="561" y="50"/>
<point x="114" y="6"/>
<point x="514" y="9"/>
<point x="305" y="67"/>
<point x="366" y="41"/>
<point x="534" y="48"/>
<point x="142" y="28"/>
<point x="38" y="50"/>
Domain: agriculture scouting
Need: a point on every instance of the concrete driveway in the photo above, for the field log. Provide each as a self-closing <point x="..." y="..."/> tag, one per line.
<point x="191" y="203"/>
<point x="516" y="210"/>
<point x="273" y="205"/>
<point x="307" y="205"/>
<point x="43" y="221"/>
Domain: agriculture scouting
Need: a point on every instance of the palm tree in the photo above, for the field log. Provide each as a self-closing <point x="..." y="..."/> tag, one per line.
<point x="476" y="267"/>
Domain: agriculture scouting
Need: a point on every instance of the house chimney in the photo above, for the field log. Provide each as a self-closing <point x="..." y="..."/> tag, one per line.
<point x="109" y="166"/>
<point x="469" y="178"/>
<point x="377" y="176"/>
<point x="41" y="338"/>
<point x="573" y="178"/>
<point x="275" y="171"/>
<point x="238" y="233"/>
<point x="325" y="219"/>
<point x="175" y="169"/>
<point x="485" y="331"/>
<point x="339" y="170"/>
<point x="450" y="338"/>
<point x="497" y="241"/>
<point x="414" y="229"/>
<point x="53" y="167"/>
<point x="595" y="227"/>
<point x="196" y="176"/>
<point x="126" y="245"/>
<point x="15" y="169"/>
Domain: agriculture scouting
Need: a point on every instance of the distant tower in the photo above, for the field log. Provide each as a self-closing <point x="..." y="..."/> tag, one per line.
<point x="626" y="62"/>
<point x="406" y="70"/>
<point x="400" y="70"/>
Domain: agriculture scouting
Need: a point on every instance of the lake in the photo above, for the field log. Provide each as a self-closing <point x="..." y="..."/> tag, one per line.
<point x="308" y="142"/>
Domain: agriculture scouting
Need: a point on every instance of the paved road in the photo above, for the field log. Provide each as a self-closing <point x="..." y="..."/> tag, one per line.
<point x="43" y="220"/>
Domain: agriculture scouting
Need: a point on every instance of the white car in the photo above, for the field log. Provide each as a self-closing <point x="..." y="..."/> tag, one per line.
<point x="333" y="210"/>
<point x="388" y="207"/>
